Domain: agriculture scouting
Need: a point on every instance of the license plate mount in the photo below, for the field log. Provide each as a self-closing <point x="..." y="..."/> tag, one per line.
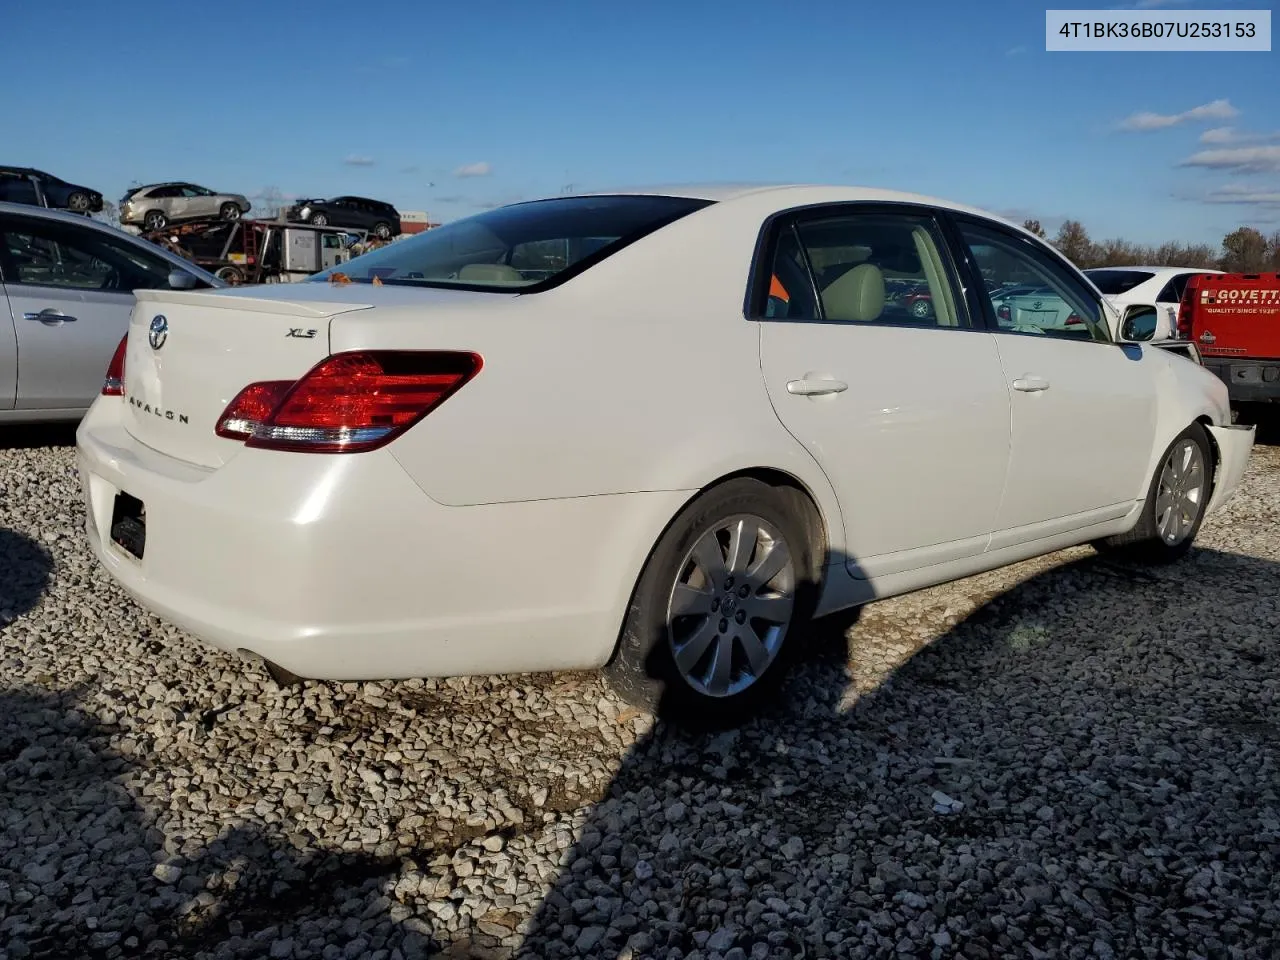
<point x="129" y="525"/>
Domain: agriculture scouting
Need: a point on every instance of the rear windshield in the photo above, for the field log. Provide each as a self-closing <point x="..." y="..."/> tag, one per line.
<point x="523" y="246"/>
<point x="1112" y="282"/>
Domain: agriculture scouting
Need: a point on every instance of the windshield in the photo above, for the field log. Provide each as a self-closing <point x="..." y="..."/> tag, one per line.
<point x="1112" y="282"/>
<point x="521" y="246"/>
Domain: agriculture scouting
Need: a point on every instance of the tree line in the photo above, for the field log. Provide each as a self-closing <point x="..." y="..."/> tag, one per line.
<point x="1245" y="250"/>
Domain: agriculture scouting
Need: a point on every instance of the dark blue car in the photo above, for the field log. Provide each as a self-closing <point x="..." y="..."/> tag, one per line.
<point x="28" y="185"/>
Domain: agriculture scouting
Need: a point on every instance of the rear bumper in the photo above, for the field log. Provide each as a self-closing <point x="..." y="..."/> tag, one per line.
<point x="1248" y="381"/>
<point x="1234" y="444"/>
<point x="341" y="568"/>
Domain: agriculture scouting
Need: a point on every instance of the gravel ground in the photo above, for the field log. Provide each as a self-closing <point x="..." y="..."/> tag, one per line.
<point x="1066" y="758"/>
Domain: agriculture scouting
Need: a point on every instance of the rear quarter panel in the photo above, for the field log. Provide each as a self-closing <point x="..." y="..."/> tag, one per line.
<point x="639" y="374"/>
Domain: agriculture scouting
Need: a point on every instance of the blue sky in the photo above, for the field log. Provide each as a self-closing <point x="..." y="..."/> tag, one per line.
<point x="449" y="108"/>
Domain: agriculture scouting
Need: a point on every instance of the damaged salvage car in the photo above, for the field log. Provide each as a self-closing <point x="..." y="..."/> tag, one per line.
<point x="652" y="433"/>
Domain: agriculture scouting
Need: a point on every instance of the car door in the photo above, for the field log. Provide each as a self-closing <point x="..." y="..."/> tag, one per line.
<point x="8" y="350"/>
<point x="197" y="202"/>
<point x="1083" y="407"/>
<point x="907" y="415"/>
<point x="70" y="295"/>
<point x="18" y="188"/>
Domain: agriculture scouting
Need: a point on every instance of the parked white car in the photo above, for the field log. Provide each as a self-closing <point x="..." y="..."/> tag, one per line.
<point x="66" y="294"/>
<point x="647" y="432"/>
<point x="1159" y="287"/>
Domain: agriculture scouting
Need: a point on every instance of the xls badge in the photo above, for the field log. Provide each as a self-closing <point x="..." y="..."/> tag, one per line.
<point x="159" y="332"/>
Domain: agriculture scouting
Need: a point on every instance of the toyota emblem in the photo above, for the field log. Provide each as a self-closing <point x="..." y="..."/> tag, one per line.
<point x="159" y="331"/>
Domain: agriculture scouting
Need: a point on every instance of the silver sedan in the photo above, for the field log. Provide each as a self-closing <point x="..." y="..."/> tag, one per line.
<point x="66" y="294"/>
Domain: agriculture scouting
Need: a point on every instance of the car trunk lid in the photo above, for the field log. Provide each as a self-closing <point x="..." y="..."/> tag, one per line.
<point x="189" y="354"/>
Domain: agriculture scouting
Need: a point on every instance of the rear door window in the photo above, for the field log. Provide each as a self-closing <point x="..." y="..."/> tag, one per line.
<point x="16" y="188"/>
<point x="49" y="254"/>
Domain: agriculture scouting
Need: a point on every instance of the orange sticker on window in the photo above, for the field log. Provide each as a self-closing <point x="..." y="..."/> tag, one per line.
<point x="776" y="289"/>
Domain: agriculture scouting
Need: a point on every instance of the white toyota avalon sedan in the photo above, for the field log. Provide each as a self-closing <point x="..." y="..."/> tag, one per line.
<point x="652" y="432"/>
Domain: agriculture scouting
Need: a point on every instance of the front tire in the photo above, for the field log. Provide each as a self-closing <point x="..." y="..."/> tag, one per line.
<point x="230" y="211"/>
<point x="1175" y="505"/>
<point x="382" y="231"/>
<point x="713" y="619"/>
<point x="79" y="202"/>
<point x="319" y="220"/>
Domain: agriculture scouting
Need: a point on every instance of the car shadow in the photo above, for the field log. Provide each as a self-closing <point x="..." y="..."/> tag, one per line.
<point x="27" y="435"/>
<point x="1046" y="779"/>
<point x="1086" y="762"/>
<point x="25" y="569"/>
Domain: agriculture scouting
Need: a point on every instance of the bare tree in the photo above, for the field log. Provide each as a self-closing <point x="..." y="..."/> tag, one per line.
<point x="1073" y="240"/>
<point x="1244" y="251"/>
<point x="1034" y="227"/>
<point x="268" y="202"/>
<point x="109" y="214"/>
<point x="1273" y="252"/>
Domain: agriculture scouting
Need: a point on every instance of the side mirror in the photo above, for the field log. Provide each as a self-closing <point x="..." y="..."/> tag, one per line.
<point x="1138" y="324"/>
<point x="181" y="280"/>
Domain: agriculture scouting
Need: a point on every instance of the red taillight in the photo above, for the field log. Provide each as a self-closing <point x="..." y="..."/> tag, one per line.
<point x="348" y="402"/>
<point x="1003" y="312"/>
<point x="1074" y="321"/>
<point x="113" y="383"/>
<point x="250" y="409"/>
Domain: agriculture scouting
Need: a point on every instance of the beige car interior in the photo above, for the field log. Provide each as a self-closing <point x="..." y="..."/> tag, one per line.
<point x="490" y="273"/>
<point x="858" y="294"/>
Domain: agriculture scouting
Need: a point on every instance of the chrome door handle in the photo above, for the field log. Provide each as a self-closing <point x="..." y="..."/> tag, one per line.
<point x="1031" y="384"/>
<point x="815" y="388"/>
<point x="49" y="316"/>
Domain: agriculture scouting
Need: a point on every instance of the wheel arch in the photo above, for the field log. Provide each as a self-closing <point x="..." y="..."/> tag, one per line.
<point x="801" y="498"/>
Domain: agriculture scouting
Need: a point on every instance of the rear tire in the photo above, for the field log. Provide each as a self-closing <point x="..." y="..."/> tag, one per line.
<point x="715" y="616"/>
<point x="231" y="275"/>
<point x="1176" y="500"/>
<point x="382" y="231"/>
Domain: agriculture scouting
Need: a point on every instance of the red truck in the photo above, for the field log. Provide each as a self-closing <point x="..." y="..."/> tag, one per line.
<point x="1234" y="319"/>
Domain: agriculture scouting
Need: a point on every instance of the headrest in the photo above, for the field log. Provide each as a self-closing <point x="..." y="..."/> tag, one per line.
<point x="857" y="294"/>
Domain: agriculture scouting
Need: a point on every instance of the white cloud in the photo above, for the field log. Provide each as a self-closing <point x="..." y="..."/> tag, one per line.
<point x="1214" y="110"/>
<point x="359" y="161"/>
<point x="1015" y="51"/>
<point x="481" y="169"/>
<point x="1152" y="4"/>
<point x="1255" y="159"/>
<point x="1230" y="135"/>
<point x="1241" y="194"/>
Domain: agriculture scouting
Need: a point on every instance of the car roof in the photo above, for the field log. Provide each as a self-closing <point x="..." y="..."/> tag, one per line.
<point x="788" y="195"/>
<point x="1159" y="271"/>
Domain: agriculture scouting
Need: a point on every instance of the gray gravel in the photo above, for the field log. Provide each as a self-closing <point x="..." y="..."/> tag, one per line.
<point x="1067" y="758"/>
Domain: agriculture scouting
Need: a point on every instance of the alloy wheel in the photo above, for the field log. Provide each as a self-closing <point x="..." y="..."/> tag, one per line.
<point x="1180" y="492"/>
<point x="731" y="605"/>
